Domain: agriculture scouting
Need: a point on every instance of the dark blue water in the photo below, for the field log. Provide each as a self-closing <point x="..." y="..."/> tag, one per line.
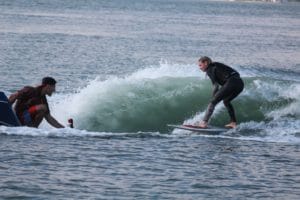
<point x="147" y="168"/>
<point x="126" y="69"/>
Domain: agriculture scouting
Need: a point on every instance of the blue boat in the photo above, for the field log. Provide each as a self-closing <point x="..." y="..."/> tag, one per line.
<point x="7" y="115"/>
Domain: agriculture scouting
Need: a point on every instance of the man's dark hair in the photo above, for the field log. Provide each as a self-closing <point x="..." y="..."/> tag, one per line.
<point x="205" y="59"/>
<point x="48" y="81"/>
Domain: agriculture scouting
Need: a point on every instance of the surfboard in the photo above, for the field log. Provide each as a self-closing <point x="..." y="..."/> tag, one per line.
<point x="7" y="115"/>
<point x="210" y="130"/>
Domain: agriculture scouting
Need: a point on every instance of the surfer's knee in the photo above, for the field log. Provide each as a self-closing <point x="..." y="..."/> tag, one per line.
<point x="226" y="103"/>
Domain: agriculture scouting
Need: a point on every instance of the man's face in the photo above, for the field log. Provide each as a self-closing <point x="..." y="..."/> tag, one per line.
<point x="50" y="89"/>
<point x="203" y="65"/>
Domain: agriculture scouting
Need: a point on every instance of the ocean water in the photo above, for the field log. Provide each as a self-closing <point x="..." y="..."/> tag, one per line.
<point x="126" y="69"/>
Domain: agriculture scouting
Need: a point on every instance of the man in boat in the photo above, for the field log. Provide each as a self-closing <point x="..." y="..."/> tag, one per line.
<point x="31" y="104"/>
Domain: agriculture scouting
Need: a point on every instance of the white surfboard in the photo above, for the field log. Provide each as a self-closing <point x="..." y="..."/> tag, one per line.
<point x="212" y="130"/>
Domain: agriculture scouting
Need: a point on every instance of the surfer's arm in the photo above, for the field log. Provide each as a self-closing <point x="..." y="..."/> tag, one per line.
<point x="211" y="74"/>
<point x="52" y="121"/>
<point x="216" y="88"/>
<point x="12" y="98"/>
<point x="209" y="111"/>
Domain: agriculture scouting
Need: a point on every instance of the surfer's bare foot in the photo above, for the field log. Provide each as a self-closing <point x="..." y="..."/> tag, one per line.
<point x="231" y="125"/>
<point x="202" y="124"/>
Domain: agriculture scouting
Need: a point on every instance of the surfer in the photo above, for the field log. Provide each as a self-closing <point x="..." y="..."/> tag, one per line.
<point x="31" y="104"/>
<point x="231" y="86"/>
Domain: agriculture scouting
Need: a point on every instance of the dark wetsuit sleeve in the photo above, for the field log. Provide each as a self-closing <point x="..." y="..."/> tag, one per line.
<point x="212" y="75"/>
<point x="209" y="111"/>
<point x="221" y="74"/>
<point x="216" y="88"/>
<point x="211" y="107"/>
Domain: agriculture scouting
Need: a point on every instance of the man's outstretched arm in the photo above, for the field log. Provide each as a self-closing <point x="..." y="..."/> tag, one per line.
<point x="52" y="121"/>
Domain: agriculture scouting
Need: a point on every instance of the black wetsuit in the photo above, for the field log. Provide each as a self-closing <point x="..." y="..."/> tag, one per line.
<point x="232" y="86"/>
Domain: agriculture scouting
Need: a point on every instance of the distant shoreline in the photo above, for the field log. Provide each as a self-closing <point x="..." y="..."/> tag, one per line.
<point x="271" y="1"/>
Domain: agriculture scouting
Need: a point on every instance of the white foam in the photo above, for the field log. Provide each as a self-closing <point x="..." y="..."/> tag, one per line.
<point x="69" y="132"/>
<point x="83" y="102"/>
<point x="86" y="99"/>
<point x="290" y="92"/>
<point x="167" y="69"/>
<point x="45" y="132"/>
<point x="283" y="130"/>
<point x="261" y="132"/>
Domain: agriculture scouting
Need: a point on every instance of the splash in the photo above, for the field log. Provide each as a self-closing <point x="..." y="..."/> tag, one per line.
<point x="149" y="99"/>
<point x="153" y="97"/>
